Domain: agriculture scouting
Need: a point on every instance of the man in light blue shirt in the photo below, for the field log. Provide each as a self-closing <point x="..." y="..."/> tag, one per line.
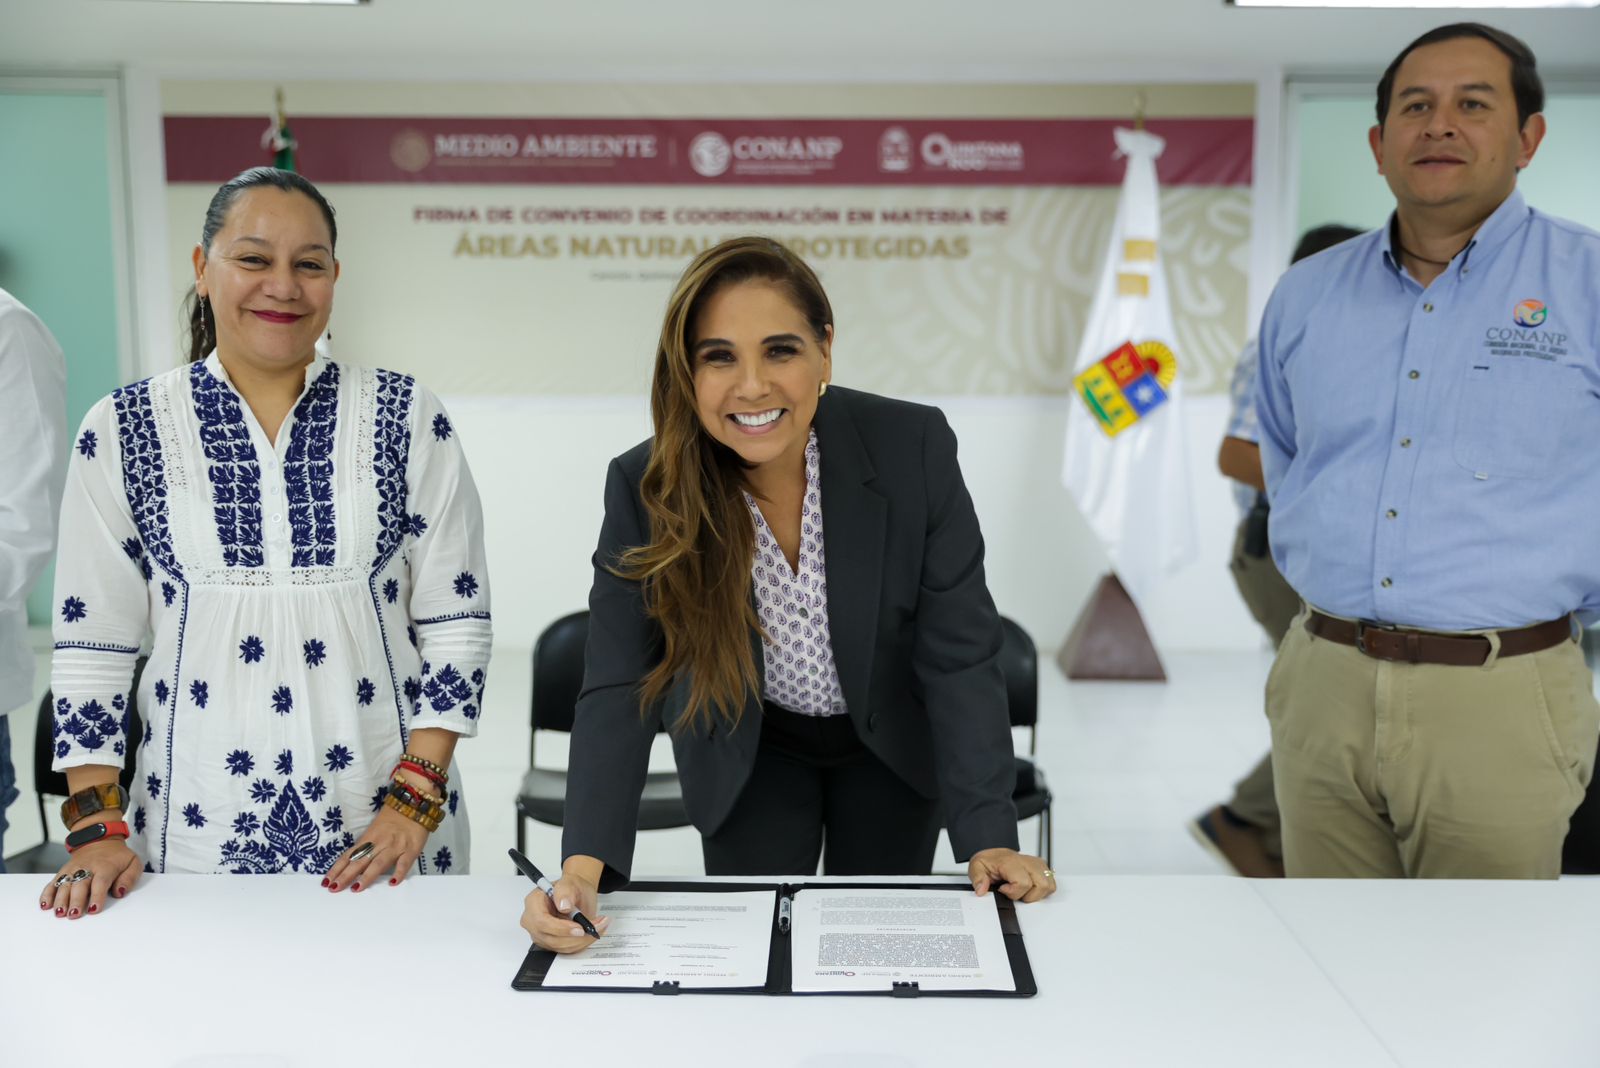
<point x="1428" y="398"/>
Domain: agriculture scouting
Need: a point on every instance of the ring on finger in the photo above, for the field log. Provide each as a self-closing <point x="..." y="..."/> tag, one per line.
<point x="363" y="851"/>
<point x="79" y="876"/>
<point x="1048" y="874"/>
<point x="61" y="880"/>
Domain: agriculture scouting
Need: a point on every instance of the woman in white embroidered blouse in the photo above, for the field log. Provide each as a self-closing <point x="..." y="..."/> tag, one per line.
<point x="301" y="543"/>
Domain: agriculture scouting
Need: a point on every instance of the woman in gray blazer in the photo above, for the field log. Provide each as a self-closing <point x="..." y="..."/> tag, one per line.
<point x="793" y="577"/>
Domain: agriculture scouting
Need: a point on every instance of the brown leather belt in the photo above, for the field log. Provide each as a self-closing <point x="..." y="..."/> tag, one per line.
<point x="1423" y="647"/>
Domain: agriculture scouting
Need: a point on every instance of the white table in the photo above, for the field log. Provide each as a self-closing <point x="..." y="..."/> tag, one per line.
<point x="258" y="972"/>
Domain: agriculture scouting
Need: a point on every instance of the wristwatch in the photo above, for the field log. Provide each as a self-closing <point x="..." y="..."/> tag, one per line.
<point x="94" y="832"/>
<point x="94" y="799"/>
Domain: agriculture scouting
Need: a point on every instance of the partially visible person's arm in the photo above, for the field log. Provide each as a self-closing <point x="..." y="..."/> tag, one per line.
<point x="1240" y="460"/>
<point x="33" y="449"/>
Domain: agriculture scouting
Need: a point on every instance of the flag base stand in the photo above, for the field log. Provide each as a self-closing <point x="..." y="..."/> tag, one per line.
<point x="1109" y="641"/>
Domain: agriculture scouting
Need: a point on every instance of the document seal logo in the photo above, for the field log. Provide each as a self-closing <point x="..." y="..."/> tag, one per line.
<point x="410" y="151"/>
<point x="1530" y="313"/>
<point x="709" y="154"/>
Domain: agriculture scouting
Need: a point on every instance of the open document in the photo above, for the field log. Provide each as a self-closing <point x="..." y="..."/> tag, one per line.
<point x="692" y="939"/>
<point x="860" y="940"/>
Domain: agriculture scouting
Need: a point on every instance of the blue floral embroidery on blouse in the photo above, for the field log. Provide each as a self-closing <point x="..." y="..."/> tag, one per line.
<point x="149" y="731"/>
<point x="63" y="748"/>
<point x="284" y="765"/>
<point x="200" y="692"/>
<point x="240" y="762"/>
<point x="413" y="691"/>
<point x="192" y="815"/>
<point x="262" y="791"/>
<point x="365" y="692"/>
<point x="446" y="689"/>
<point x="290" y="838"/>
<point x="466" y="584"/>
<point x="441" y="427"/>
<point x="252" y="649"/>
<point x="338" y="758"/>
<point x="73" y="609"/>
<point x="411" y="635"/>
<point x="282" y="701"/>
<point x="246" y="823"/>
<point x="168" y="592"/>
<point x="391" y="591"/>
<point x="232" y="468"/>
<point x="138" y="820"/>
<point x="377" y="798"/>
<point x="454" y="798"/>
<point x="119" y="749"/>
<point x="314" y="788"/>
<point x="333" y="819"/>
<point x="315" y="652"/>
<point x="87" y="443"/>
<point x="144" y="476"/>
<point x="308" y="472"/>
<point x="391" y="445"/>
<point x="441" y="859"/>
<point x="161" y="691"/>
<point x="417" y="525"/>
<point x="152" y="785"/>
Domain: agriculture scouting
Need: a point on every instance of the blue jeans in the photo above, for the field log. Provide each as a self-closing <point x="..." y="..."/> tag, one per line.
<point x="8" y="784"/>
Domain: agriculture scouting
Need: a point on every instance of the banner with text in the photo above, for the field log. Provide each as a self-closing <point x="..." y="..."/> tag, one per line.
<point x="493" y="254"/>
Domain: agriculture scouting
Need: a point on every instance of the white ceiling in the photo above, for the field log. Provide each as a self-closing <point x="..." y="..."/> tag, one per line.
<point x="743" y="40"/>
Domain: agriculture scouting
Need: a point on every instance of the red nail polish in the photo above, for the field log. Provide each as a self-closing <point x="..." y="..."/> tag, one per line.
<point x="94" y="908"/>
<point x="324" y="881"/>
<point x="61" y="912"/>
<point x="394" y="882"/>
<point x="72" y="915"/>
<point x="333" y="886"/>
<point x="44" y="904"/>
<point x="122" y="891"/>
<point x="355" y="888"/>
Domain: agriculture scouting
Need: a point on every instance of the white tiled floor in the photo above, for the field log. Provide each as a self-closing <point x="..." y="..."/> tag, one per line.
<point x="1129" y="764"/>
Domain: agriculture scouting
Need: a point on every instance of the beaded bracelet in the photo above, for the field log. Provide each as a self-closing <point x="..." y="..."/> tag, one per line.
<point x="426" y="765"/>
<point x="412" y="789"/>
<point x="429" y="820"/>
<point x="422" y="772"/>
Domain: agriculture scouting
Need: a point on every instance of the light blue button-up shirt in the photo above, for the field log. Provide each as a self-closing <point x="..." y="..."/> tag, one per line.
<point x="1433" y="455"/>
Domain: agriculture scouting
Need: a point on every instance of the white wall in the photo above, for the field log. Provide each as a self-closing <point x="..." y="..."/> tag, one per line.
<point x="540" y="466"/>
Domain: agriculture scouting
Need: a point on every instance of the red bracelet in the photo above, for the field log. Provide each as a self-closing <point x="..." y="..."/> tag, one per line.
<point x="418" y="769"/>
<point x="94" y="833"/>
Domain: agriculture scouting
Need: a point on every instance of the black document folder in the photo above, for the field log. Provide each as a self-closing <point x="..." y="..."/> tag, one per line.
<point x="536" y="966"/>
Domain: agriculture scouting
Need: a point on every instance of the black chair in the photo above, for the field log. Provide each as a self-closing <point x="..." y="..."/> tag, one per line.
<point x="1019" y="663"/>
<point x="47" y="857"/>
<point x="557" y="680"/>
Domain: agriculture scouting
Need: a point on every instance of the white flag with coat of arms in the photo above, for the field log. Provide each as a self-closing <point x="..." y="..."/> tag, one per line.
<point x="1124" y="462"/>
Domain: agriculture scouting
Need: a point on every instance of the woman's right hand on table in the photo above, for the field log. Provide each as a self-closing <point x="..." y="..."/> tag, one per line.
<point x="112" y="869"/>
<point x="547" y="920"/>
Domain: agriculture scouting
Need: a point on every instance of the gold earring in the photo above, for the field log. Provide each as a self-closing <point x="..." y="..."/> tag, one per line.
<point x="822" y="389"/>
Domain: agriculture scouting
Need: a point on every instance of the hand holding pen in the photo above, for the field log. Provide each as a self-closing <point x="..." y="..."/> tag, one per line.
<point x="553" y="915"/>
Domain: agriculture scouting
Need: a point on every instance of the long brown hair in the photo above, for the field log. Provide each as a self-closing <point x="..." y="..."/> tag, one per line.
<point x="695" y="569"/>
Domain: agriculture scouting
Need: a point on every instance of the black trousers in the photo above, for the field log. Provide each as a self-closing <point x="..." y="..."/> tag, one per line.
<point x="817" y="793"/>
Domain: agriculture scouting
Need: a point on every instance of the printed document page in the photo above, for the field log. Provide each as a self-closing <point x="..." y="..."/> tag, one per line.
<point x="845" y="940"/>
<point x="700" y="940"/>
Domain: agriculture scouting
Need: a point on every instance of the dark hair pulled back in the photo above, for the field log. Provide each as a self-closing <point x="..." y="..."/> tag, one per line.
<point x="202" y="325"/>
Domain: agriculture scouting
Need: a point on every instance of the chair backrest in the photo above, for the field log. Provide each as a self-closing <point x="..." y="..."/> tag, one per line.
<point x="46" y="780"/>
<point x="1019" y="663"/>
<point x="558" y="672"/>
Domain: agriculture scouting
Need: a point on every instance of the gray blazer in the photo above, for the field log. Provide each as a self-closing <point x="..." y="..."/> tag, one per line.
<point x="916" y="642"/>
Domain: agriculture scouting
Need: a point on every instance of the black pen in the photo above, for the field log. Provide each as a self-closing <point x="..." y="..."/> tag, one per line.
<point x="526" y="867"/>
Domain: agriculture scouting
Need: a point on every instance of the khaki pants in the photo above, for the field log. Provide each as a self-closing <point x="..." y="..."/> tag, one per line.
<point x="1420" y="770"/>
<point x="1274" y="604"/>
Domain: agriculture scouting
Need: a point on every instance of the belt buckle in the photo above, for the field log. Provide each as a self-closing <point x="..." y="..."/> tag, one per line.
<point x="1364" y="625"/>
